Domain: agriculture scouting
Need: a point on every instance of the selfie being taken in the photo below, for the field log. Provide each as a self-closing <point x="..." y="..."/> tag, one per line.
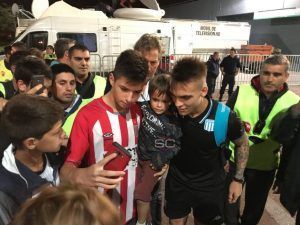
<point x="149" y="112"/>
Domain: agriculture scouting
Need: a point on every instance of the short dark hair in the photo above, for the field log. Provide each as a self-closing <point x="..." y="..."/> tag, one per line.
<point x="233" y="49"/>
<point x="131" y="65"/>
<point x="160" y="83"/>
<point x="36" y="52"/>
<point x="7" y="50"/>
<point x="188" y="68"/>
<point x="19" y="45"/>
<point x="61" y="68"/>
<point x="51" y="47"/>
<point x="62" y="45"/>
<point x="30" y="66"/>
<point x="26" y="116"/>
<point x="277" y="60"/>
<point x="80" y="47"/>
<point x="17" y="57"/>
<point x="147" y="42"/>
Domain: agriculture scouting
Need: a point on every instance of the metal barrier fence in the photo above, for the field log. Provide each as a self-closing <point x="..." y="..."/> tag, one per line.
<point x="250" y="66"/>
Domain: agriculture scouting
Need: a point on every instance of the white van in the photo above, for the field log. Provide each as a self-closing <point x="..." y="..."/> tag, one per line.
<point x="107" y="37"/>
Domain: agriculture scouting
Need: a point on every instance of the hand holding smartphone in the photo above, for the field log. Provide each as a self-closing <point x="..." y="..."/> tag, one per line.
<point x="121" y="161"/>
<point x="36" y="80"/>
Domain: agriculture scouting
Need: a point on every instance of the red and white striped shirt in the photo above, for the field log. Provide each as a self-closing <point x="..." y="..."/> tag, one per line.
<point x="95" y="128"/>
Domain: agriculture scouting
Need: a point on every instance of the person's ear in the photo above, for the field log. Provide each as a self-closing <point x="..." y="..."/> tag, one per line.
<point x="204" y="88"/>
<point x="111" y="79"/>
<point x="22" y="87"/>
<point x="204" y="91"/>
<point x="66" y="54"/>
<point x="30" y="143"/>
<point x="286" y="76"/>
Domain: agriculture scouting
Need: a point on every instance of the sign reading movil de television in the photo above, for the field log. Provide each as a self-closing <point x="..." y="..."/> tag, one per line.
<point x="218" y="34"/>
<point x="208" y="31"/>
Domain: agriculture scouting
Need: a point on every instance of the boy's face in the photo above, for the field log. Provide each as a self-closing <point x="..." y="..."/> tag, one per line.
<point x="52" y="140"/>
<point x="125" y="92"/>
<point x="49" y="50"/>
<point x="188" y="96"/>
<point x="159" y="103"/>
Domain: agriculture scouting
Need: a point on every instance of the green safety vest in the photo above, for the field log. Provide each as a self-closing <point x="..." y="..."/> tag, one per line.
<point x="2" y="90"/>
<point x="50" y="56"/>
<point x="5" y="74"/>
<point x="100" y="84"/>
<point x="67" y="127"/>
<point x="262" y="156"/>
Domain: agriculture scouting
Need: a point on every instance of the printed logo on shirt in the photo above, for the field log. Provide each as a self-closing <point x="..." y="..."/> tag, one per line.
<point x="108" y="135"/>
<point x="134" y="158"/>
<point x="209" y="125"/>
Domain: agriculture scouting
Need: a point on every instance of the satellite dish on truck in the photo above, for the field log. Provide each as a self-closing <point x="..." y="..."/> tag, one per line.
<point x="38" y="7"/>
<point x="15" y="9"/>
<point x="151" y="4"/>
<point x="153" y="13"/>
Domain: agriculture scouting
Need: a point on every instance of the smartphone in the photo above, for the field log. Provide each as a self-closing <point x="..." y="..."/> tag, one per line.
<point x="122" y="159"/>
<point x="37" y="79"/>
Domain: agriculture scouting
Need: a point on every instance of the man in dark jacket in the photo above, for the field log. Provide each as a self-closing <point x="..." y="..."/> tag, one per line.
<point x="230" y="67"/>
<point x="286" y="130"/>
<point x="213" y="69"/>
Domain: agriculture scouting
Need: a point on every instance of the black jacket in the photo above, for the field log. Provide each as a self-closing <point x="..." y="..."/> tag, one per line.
<point x="159" y="137"/>
<point x="230" y="65"/>
<point x="213" y="67"/>
<point x="18" y="182"/>
<point x="286" y="130"/>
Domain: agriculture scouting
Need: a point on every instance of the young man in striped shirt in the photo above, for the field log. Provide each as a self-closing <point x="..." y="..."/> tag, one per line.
<point x="115" y="117"/>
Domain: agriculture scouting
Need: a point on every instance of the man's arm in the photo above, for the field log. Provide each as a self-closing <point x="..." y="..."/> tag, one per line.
<point x="2" y="103"/>
<point x="241" y="155"/>
<point x="236" y="133"/>
<point x="241" y="158"/>
<point x="94" y="175"/>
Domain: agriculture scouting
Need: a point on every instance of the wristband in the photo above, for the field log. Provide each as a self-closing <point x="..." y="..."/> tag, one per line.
<point x="239" y="180"/>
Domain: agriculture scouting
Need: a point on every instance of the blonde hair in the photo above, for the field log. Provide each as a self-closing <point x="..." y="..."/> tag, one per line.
<point x="68" y="204"/>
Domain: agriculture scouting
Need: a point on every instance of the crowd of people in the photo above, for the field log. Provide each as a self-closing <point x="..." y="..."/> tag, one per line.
<point x="78" y="148"/>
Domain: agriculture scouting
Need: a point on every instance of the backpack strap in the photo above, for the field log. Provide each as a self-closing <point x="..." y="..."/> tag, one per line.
<point x="221" y="124"/>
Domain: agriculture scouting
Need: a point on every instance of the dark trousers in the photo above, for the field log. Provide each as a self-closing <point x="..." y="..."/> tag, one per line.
<point x="211" y="84"/>
<point x="156" y="204"/>
<point x="228" y="79"/>
<point x="258" y="184"/>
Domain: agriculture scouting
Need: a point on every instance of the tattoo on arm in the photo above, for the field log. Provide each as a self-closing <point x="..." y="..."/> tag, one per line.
<point x="241" y="152"/>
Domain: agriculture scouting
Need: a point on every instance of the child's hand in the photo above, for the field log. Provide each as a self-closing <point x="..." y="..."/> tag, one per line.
<point x="162" y="172"/>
